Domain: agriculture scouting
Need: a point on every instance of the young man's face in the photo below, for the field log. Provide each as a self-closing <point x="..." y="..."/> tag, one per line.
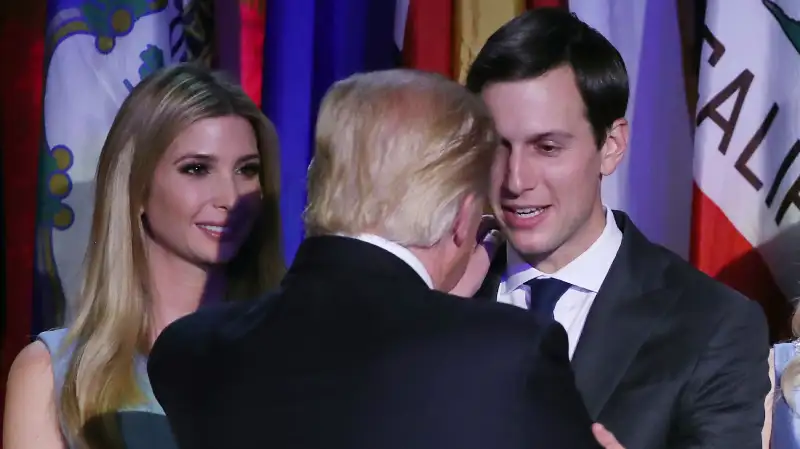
<point x="546" y="174"/>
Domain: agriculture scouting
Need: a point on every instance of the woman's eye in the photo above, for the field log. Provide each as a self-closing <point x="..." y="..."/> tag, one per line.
<point x="194" y="169"/>
<point x="250" y="170"/>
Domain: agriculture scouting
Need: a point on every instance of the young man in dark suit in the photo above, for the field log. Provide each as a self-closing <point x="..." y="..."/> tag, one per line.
<point x="664" y="356"/>
<point x="361" y="349"/>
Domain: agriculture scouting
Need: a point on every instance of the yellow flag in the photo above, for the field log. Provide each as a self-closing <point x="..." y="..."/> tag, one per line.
<point x="474" y="21"/>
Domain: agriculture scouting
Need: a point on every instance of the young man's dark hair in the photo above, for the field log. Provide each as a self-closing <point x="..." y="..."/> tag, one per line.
<point x="543" y="39"/>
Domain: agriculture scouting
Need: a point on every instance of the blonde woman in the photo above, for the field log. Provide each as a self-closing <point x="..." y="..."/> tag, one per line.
<point x="782" y="423"/>
<point x="186" y="212"/>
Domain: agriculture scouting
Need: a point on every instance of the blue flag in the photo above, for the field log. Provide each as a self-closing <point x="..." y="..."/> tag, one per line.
<point x="97" y="51"/>
<point x="310" y="44"/>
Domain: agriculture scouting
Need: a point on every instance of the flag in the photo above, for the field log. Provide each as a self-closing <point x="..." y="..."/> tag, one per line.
<point x="308" y="45"/>
<point x="199" y="32"/>
<point x="747" y="177"/>
<point x="253" y="21"/>
<point x="21" y="80"/>
<point x="96" y="53"/>
<point x="239" y="34"/>
<point x="426" y="34"/>
<point x="474" y="22"/>
<point x="653" y="182"/>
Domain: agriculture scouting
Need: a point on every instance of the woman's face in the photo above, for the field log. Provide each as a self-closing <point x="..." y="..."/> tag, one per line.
<point x="205" y="194"/>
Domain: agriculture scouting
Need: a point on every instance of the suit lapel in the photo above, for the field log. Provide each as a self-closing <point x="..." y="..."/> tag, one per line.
<point x="632" y="299"/>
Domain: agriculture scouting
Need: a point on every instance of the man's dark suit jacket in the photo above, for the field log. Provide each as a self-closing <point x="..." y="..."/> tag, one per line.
<point x="356" y="352"/>
<point x="668" y="357"/>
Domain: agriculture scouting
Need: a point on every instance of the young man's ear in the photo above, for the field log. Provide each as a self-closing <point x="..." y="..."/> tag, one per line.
<point x="614" y="147"/>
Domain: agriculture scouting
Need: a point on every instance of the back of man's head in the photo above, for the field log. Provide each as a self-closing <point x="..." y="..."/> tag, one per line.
<point x="396" y="152"/>
<point x="543" y="39"/>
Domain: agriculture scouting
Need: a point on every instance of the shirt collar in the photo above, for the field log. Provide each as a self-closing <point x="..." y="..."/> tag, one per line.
<point x="586" y="272"/>
<point x="398" y="250"/>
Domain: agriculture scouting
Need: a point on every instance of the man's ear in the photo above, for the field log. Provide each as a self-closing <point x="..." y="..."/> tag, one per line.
<point x="464" y="227"/>
<point x="614" y="147"/>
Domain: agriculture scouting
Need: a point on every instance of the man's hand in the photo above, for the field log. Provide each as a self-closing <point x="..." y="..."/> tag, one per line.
<point x="489" y="240"/>
<point x="605" y="438"/>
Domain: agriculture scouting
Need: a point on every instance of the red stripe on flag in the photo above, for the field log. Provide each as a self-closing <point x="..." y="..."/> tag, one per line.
<point x="21" y="85"/>
<point x="427" y="44"/>
<point x="253" y="21"/>
<point x="720" y="251"/>
<point x="548" y="4"/>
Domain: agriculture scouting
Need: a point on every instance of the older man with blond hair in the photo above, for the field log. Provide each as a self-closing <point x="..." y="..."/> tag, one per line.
<point x="361" y="348"/>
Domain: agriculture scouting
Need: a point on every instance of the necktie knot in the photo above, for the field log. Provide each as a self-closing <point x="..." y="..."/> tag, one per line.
<point x="544" y="294"/>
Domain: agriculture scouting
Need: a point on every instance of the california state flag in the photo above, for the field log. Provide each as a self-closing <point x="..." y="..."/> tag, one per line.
<point x="747" y="174"/>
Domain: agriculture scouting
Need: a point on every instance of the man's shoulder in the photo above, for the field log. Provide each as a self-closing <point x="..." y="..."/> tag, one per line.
<point x="674" y="271"/>
<point x="198" y="336"/>
<point x="501" y="322"/>
<point x="503" y="333"/>
<point x="685" y="275"/>
<point x="699" y="292"/>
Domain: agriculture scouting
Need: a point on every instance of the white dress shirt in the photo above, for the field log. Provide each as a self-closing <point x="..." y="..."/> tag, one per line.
<point x="585" y="274"/>
<point x="398" y="250"/>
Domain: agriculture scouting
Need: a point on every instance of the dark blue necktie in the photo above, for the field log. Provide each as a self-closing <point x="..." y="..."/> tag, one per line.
<point x="545" y="293"/>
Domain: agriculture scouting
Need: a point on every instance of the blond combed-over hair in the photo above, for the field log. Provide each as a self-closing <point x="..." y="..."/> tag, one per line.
<point x="395" y="153"/>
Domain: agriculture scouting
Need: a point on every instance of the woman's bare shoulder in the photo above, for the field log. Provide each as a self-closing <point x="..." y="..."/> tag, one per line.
<point x="30" y="410"/>
<point x="31" y="364"/>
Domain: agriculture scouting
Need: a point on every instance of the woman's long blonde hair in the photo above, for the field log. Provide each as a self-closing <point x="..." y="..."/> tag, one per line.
<point x="112" y="322"/>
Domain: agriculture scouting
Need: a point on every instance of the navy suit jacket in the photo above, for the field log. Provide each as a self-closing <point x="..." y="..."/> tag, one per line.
<point x="668" y="358"/>
<point x="356" y="352"/>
